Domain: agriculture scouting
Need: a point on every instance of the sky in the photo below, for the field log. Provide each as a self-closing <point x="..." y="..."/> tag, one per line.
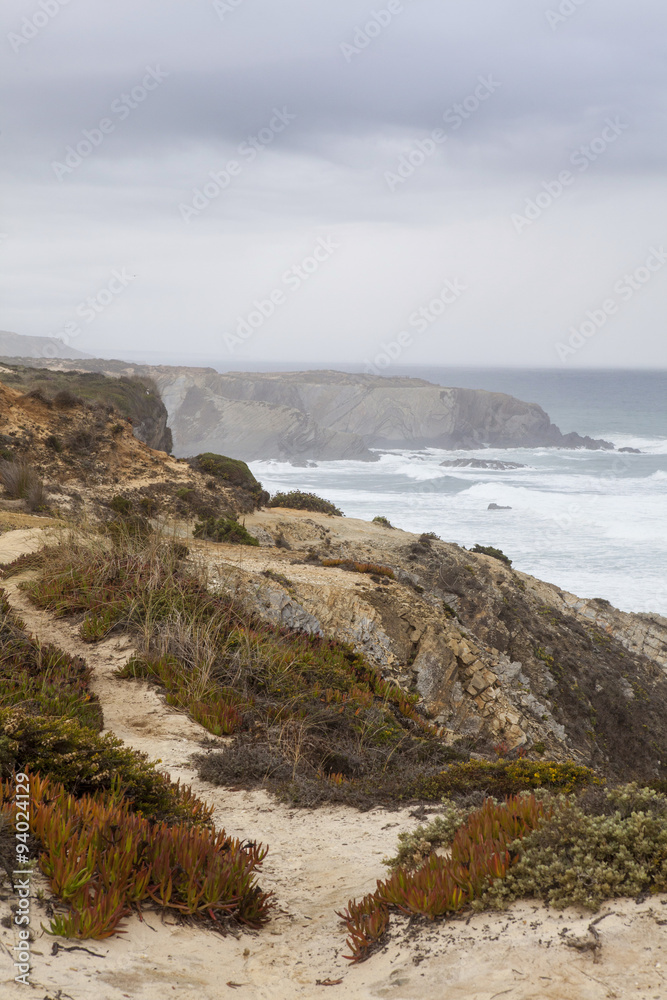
<point x="447" y="182"/>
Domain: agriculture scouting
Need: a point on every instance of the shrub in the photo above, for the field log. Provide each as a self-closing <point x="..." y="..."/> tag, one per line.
<point x="121" y="505"/>
<point x="488" y="550"/>
<point x="602" y="845"/>
<point x="224" y="529"/>
<point x="54" y="443"/>
<point x="42" y="678"/>
<point x="501" y="778"/>
<point x="23" y="483"/>
<point x="297" y="500"/>
<point x="66" y="400"/>
<point x="85" y="762"/>
<point x="383" y="521"/>
<point x="229" y="470"/>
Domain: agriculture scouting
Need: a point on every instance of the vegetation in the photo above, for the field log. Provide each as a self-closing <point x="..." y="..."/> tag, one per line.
<point x="137" y="399"/>
<point x="297" y="500"/>
<point x="603" y="844"/>
<point x="103" y="860"/>
<point x="112" y="832"/>
<point x="479" y="854"/>
<point x="231" y="471"/>
<point x="565" y="850"/>
<point x="488" y="550"/>
<point x="23" y="483"/>
<point x="383" y="521"/>
<point x="42" y="679"/>
<point x="359" y="567"/>
<point x="309" y="717"/>
<point x="224" y="529"/>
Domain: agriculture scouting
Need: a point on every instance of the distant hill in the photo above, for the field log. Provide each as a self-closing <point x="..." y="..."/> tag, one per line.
<point x="15" y="345"/>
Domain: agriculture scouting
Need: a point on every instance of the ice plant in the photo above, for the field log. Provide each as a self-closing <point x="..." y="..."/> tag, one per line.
<point x="480" y="853"/>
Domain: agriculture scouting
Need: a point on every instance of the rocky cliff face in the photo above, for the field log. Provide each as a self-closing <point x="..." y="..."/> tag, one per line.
<point x="334" y="415"/>
<point x="330" y="415"/>
<point x="499" y="658"/>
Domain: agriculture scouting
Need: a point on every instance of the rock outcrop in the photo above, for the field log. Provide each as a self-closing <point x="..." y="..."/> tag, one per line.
<point x="499" y="658"/>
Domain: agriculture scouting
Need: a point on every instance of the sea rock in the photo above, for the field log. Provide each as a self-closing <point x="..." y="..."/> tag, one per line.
<point x="631" y="451"/>
<point x="497" y="506"/>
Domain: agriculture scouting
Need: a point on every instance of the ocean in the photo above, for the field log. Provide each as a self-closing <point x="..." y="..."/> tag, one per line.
<point x="593" y="523"/>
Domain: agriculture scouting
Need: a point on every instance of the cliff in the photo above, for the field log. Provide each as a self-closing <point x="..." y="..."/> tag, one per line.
<point x="329" y="415"/>
<point x="499" y="658"/>
<point x="137" y="399"/>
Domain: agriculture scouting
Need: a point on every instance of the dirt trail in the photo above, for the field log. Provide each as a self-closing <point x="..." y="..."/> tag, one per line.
<point x="317" y="861"/>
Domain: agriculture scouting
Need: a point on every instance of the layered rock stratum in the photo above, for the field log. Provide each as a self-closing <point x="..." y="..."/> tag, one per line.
<point x="330" y="415"/>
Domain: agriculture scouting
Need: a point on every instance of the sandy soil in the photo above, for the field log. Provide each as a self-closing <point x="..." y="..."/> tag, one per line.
<point x="317" y="861"/>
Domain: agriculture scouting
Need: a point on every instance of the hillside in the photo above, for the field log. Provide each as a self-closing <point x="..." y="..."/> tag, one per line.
<point x="17" y="345"/>
<point x="86" y="453"/>
<point x="137" y="399"/>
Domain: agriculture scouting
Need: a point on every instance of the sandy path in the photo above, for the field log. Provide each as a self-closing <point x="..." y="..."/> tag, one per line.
<point x="317" y="861"/>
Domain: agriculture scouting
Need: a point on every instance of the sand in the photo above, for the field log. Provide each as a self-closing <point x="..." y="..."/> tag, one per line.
<point x="317" y="861"/>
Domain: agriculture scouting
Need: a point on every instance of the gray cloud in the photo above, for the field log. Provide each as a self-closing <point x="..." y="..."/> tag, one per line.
<point x="363" y="106"/>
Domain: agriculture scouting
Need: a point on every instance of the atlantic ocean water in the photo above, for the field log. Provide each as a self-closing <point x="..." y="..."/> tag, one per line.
<point x="592" y="522"/>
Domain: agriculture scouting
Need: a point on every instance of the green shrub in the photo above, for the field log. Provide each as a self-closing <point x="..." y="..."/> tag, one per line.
<point x="224" y="529"/>
<point x="383" y="521"/>
<point x="230" y="470"/>
<point x="298" y="500"/>
<point x="502" y="778"/>
<point x="488" y="550"/>
<point x="602" y="845"/>
<point x="121" y="505"/>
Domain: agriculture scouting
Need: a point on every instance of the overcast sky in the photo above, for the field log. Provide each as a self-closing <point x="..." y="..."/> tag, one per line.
<point x="442" y="181"/>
